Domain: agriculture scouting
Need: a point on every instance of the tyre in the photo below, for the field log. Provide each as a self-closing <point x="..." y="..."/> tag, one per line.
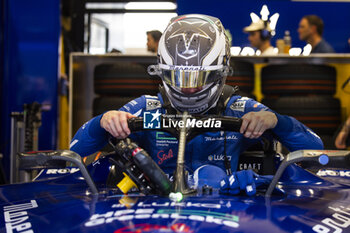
<point x="298" y="79"/>
<point x="124" y="79"/>
<point x="103" y="104"/>
<point x="321" y="114"/>
<point x="242" y="76"/>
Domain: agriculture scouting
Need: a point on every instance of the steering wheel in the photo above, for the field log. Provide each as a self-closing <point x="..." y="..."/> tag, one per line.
<point x="226" y="124"/>
<point x="142" y="169"/>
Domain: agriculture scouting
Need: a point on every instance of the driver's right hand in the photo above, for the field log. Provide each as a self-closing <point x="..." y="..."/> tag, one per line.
<point x="116" y="123"/>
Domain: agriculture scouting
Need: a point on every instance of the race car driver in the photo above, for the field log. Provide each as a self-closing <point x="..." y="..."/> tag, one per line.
<point x="193" y="62"/>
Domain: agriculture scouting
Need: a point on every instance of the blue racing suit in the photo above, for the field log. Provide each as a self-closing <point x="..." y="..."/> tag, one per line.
<point x="206" y="148"/>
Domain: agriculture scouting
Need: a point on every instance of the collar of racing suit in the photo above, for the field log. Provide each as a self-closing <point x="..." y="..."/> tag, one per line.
<point x="219" y="108"/>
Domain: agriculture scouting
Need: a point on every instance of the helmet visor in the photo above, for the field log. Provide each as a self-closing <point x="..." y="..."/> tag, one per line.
<point x="185" y="78"/>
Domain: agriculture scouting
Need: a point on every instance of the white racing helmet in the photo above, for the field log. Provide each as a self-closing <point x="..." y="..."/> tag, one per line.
<point x="193" y="62"/>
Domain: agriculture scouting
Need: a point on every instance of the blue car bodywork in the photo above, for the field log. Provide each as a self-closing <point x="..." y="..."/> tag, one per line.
<point x="60" y="201"/>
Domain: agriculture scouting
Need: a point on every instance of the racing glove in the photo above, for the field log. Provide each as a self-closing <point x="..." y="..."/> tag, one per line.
<point x="246" y="180"/>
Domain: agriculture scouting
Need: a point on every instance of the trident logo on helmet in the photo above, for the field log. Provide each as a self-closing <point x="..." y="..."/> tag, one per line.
<point x="187" y="47"/>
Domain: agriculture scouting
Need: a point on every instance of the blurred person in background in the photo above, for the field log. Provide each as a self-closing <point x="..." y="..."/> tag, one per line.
<point x="261" y="30"/>
<point x="260" y="36"/>
<point x="153" y="40"/>
<point x="311" y="30"/>
<point x="343" y="135"/>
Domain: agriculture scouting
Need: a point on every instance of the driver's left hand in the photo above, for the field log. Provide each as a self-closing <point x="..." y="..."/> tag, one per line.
<point x="254" y="124"/>
<point x="245" y="180"/>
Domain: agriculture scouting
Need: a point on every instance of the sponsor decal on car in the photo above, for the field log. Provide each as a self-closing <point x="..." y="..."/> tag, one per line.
<point x="337" y="222"/>
<point x="17" y="218"/>
<point x="334" y="173"/>
<point x="174" y="204"/>
<point x="212" y="217"/>
<point x="62" y="171"/>
<point x="193" y="211"/>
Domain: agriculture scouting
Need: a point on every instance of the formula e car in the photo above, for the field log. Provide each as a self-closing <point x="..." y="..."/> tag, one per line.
<point x="94" y="198"/>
